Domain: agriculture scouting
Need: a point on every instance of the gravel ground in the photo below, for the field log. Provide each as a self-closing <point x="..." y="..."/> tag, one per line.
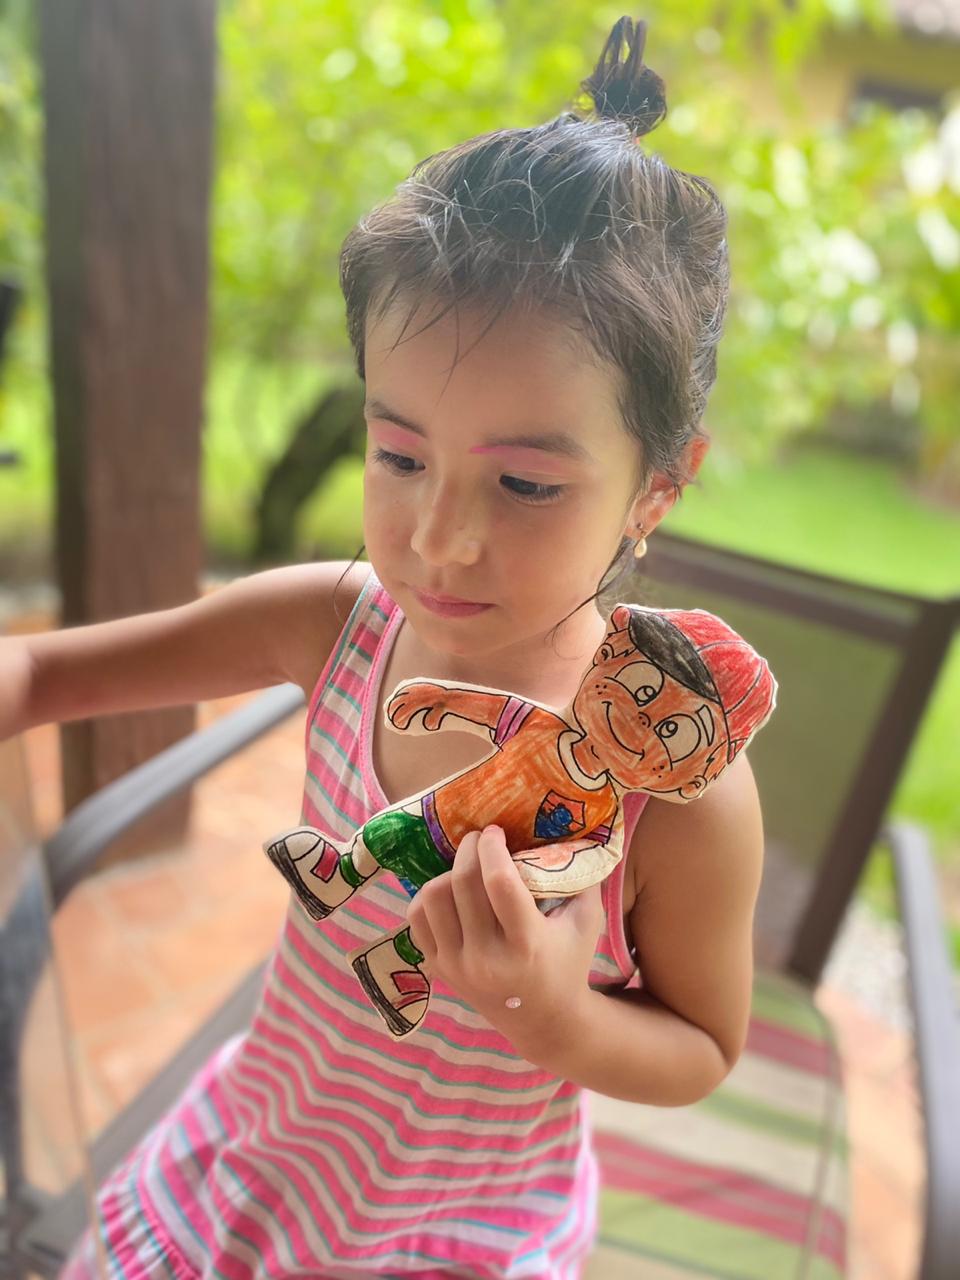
<point x="868" y="963"/>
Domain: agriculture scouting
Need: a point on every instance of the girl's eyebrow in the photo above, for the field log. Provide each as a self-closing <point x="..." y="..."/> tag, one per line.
<point x="558" y="442"/>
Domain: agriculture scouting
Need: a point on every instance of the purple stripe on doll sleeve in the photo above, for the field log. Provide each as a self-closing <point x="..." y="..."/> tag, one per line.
<point x="511" y="718"/>
<point x="434" y="826"/>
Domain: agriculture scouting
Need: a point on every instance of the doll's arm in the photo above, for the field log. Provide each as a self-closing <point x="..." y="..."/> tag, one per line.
<point x="554" y="858"/>
<point x="479" y="710"/>
<point x="567" y="867"/>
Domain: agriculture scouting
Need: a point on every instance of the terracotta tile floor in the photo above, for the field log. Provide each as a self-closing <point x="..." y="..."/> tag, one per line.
<point x="148" y="948"/>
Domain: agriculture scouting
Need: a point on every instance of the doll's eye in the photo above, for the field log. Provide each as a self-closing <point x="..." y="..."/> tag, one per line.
<point x="643" y="679"/>
<point x="680" y="735"/>
<point x="604" y="653"/>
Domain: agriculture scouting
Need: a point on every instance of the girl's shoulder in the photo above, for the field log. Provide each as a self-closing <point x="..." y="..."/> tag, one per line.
<point x="718" y="836"/>
<point x="308" y="605"/>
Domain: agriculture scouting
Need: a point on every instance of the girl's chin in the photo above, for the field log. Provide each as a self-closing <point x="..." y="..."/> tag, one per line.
<point x="457" y="637"/>
<point x="490" y="638"/>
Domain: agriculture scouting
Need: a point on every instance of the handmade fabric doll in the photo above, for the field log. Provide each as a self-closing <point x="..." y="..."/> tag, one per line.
<point x="671" y="698"/>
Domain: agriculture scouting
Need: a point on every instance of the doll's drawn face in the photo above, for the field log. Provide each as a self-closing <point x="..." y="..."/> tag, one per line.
<point x="649" y="731"/>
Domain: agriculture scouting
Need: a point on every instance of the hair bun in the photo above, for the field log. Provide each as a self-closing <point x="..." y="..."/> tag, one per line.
<point x="627" y="90"/>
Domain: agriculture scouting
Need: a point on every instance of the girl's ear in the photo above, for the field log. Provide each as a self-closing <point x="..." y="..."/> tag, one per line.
<point x="651" y="506"/>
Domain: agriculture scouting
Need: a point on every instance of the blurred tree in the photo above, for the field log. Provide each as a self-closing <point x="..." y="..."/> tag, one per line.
<point x="846" y="290"/>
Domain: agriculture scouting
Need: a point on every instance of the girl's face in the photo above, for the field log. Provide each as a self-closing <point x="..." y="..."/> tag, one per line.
<point x="495" y="492"/>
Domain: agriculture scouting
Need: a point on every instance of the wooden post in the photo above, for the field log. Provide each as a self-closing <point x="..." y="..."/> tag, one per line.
<point x="128" y="96"/>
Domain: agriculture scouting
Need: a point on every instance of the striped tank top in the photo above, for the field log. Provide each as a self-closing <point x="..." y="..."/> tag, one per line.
<point x="317" y="1145"/>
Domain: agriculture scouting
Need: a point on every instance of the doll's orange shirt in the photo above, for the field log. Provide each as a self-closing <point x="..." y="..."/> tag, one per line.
<point x="526" y="785"/>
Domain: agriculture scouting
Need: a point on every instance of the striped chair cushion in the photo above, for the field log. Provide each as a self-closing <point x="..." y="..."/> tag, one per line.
<point x="749" y="1184"/>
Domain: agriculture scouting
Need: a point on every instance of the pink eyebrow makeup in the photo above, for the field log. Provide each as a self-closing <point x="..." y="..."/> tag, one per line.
<point x="396" y="437"/>
<point x="550" y="458"/>
<point x="537" y="460"/>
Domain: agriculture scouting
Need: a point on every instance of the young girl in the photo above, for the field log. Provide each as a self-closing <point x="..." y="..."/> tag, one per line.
<point x="535" y="315"/>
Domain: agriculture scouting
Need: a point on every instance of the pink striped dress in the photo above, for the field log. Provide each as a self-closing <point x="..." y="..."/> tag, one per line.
<point x="316" y="1145"/>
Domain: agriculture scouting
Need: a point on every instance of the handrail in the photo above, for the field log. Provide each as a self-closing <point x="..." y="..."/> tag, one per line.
<point x="99" y="820"/>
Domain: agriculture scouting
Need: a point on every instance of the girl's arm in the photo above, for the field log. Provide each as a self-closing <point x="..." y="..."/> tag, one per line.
<point x="673" y="1042"/>
<point x="258" y="631"/>
<point x="698" y="873"/>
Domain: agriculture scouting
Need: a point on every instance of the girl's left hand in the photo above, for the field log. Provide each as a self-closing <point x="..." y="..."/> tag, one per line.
<point x="480" y="932"/>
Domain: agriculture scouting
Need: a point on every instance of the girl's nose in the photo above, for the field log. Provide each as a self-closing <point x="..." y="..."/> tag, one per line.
<point x="445" y="533"/>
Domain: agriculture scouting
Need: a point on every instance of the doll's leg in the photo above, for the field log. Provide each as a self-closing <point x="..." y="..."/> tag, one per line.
<point x="390" y="974"/>
<point x="324" y="875"/>
<point x="321" y="874"/>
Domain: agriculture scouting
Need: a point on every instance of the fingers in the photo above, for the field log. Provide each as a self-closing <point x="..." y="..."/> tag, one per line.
<point x="432" y="916"/>
<point x="477" y="918"/>
<point x="509" y="898"/>
<point x="420" y="932"/>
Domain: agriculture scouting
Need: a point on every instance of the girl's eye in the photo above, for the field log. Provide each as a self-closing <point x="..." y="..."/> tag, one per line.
<point x="398" y="463"/>
<point x="530" y="491"/>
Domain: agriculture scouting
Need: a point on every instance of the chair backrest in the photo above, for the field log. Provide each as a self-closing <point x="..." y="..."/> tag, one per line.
<point x="855" y="666"/>
<point x="41" y="1142"/>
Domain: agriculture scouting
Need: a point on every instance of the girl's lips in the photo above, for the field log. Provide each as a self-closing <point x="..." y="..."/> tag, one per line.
<point x="449" y="606"/>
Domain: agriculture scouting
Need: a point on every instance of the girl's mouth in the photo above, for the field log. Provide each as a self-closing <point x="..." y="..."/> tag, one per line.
<point x="449" y="606"/>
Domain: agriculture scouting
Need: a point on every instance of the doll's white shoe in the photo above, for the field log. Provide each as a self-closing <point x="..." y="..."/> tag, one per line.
<point x="396" y="986"/>
<point x="321" y="876"/>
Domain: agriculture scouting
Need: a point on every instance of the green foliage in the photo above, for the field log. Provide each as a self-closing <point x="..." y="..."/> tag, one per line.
<point x="846" y="262"/>
<point x="843" y="243"/>
<point x="324" y="109"/>
<point x="20" y="190"/>
<point x="844" y="240"/>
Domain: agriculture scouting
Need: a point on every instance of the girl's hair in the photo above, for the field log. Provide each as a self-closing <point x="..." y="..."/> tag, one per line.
<point x="575" y="218"/>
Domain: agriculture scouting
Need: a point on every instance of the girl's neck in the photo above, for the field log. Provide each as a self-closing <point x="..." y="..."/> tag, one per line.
<point x="545" y="669"/>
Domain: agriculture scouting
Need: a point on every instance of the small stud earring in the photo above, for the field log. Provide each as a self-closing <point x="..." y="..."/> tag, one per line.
<point x="640" y="546"/>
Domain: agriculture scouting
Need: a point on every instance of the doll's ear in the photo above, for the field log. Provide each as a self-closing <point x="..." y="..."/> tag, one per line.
<point x="619" y="620"/>
<point x="617" y="642"/>
<point x="693" y="789"/>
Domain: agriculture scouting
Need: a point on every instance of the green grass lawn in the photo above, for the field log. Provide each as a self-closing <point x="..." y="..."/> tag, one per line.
<point x="835" y="512"/>
<point x="841" y="514"/>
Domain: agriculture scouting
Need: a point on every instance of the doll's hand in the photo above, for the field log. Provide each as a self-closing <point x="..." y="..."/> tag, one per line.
<point x="416" y="697"/>
<point x="481" y="933"/>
